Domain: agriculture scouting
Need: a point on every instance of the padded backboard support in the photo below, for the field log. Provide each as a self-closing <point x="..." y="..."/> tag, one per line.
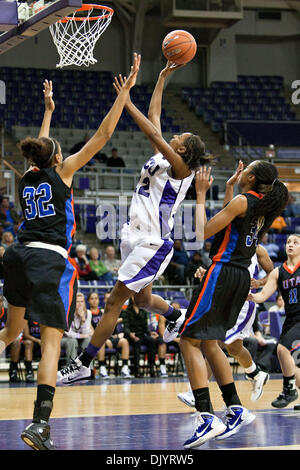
<point x="36" y="23"/>
<point x="8" y="15"/>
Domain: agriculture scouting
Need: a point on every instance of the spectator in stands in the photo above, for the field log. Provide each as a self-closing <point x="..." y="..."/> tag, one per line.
<point x="93" y="302"/>
<point x="279" y="225"/>
<point x="75" y="244"/>
<point x="2" y="251"/>
<point x="194" y="263"/>
<point x="32" y="343"/>
<point x="136" y="330"/>
<point x="98" y="267"/>
<point x="205" y="254"/>
<point x="176" y="271"/>
<point x="101" y="157"/>
<point x="7" y="239"/>
<point x="279" y="306"/>
<point x="82" y="264"/>
<point x="115" y="161"/>
<point x="292" y="209"/>
<point x="111" y="262"/>
<point x="8" y="216"/>
<point x="80" y="331"/>
<point x="271" y="248"/>
<point x="118" y="341"/>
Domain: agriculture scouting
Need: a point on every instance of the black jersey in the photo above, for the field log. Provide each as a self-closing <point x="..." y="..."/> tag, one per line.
<point x="34" y="329"/>
<point x="289" y="286"/>
<point x="48" y="208"/>
<point x="236" y="243"/>
<point x="96" y="317"/>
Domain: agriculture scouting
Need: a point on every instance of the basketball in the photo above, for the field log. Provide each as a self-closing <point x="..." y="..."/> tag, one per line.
<point x="179" y="47"/>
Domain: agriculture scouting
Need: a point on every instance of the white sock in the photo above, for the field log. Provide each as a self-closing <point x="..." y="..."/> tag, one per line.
<point x="251" y="369"/>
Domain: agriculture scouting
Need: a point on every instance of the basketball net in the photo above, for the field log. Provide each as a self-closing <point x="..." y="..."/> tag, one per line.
<point x="75" y="36"/>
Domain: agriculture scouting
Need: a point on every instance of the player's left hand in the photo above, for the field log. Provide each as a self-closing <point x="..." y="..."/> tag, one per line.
<point x="203" y="179"/>
<point x="235" y="177"/>
<point x="48" y="96"/>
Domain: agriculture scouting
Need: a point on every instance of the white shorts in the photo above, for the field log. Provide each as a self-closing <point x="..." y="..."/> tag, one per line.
<point x="144" y="259"/>
<point x="243" y="327"/>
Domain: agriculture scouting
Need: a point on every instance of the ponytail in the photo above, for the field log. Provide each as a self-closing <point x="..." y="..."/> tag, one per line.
<point x="275" y="194"/>
<point x="40" y="152"/>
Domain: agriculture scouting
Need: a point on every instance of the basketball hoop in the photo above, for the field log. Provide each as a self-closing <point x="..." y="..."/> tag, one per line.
<point x="75" y="36"/>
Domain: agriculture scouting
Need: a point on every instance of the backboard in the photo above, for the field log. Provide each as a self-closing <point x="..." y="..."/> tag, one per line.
<point x="21" y="20"/>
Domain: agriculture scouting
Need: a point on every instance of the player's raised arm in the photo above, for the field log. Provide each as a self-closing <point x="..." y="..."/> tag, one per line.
<point x="154" y="112"/>
<point x="180" y="168"/>
<point x="206" y="229"/>
<point x="230" y="184"/>
<point x="49" y="108"/>
<point x="104" y="132"/>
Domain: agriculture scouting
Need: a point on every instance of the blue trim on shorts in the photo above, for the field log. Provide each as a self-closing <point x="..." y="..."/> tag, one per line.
<point x="64" y="287"/>
<point x="244" y="322"/>
<point x="151" y="268"/>
<point x="206" y="300"/>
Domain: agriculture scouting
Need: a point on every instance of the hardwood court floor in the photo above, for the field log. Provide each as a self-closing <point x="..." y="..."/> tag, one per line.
<point x="142" y="414"/>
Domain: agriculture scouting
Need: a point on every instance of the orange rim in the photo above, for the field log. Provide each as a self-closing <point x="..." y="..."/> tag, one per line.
<point x="87" y="7"/>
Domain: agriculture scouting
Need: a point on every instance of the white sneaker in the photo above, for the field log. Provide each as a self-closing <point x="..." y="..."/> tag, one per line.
<point x="173" y="327"/>
<point x="75" y="372"/>
<point x="261" y="379"/>
<point x="236" y="417"/>
<point x="103" y="373"/>
<point x="187" y="398"/>
<point x="125" y="372"/>
<point x="207" y="426"/>
<point x="163" y="371"/>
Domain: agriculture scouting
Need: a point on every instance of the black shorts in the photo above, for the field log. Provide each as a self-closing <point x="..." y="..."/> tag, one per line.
<point x="114" y="342"/>
<point x="290" y="337"/>
<point x="217" y="302"/>
<point x="43" y="282"/>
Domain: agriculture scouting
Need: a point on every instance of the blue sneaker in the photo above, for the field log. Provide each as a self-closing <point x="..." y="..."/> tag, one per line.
<point x="207" y="427"/>
<point x="236" y="417"/>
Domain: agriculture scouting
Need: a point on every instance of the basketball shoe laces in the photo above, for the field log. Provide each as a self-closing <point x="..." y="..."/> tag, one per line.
<point x="73" y="367"/>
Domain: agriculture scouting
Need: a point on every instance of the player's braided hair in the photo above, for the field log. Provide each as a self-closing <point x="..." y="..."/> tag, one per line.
<point x="39" y="152"/>
<point x="195" y="155"/>
<point x="275" y="193"/>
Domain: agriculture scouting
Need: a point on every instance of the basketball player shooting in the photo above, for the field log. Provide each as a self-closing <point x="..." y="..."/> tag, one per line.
<point x="146" y="244"/>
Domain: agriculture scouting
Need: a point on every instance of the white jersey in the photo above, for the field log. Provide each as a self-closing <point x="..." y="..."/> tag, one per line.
<point x="156" y="199"/>
<point x="243" y="326"/>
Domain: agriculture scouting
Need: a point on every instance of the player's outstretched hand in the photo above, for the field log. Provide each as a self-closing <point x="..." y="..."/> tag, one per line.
<point x="170" y="68"/>
<point x="235" y="177"/>
<point x="48" y="96"/>
<point x="203" y="180"/>
<point x="124" y="82"/>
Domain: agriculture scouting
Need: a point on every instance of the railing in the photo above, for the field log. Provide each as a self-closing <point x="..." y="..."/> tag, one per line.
<point x="232" y="135"/>
<point x="114" y="182"/>
<point x="8" y="184"/>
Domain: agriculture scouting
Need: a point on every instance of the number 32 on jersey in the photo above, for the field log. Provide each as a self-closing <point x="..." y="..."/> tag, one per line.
<point x="38" y="201"/>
